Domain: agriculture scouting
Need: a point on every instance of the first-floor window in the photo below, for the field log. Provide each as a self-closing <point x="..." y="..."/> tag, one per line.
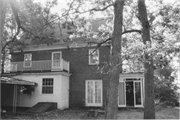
<point x="47" y="85"/>
<point x="93" y="92"/>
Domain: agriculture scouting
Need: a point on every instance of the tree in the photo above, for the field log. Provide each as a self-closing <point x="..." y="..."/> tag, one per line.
<point x="2" y="18"/>
<point x="115" y="62"/>
<point x="149" y="108"/>
<point x="165" y="88"/>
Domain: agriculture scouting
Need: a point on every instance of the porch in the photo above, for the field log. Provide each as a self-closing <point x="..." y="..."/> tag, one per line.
<point x="42" y="65"/>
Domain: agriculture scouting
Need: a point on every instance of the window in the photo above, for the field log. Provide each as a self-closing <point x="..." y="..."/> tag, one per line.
<point x="56" y="58"/>
<point x="93" y="57"/>
<point x="27" y="60"/>
<point x="93" y="92"/>
<point x="47" y="85"/>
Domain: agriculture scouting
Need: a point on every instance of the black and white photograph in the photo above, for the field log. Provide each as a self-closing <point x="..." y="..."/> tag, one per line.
<point x="89" y="59"/>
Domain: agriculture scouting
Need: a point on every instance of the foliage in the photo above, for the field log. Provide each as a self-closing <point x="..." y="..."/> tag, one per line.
<point x="29" y="89"/>
<point x="165" y="88"/>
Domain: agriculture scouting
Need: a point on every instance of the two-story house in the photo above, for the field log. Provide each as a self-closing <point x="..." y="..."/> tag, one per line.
<point x="70" y="76"/>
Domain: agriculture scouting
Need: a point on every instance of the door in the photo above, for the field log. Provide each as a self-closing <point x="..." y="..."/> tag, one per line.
<point x="93" y="93"/>
<point x="122" y="95"/>
<point x="138" y="100"/>
<point x="56" y="58"/>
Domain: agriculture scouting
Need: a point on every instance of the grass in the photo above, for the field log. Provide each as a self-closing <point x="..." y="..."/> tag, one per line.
<point x="165" y="113"/>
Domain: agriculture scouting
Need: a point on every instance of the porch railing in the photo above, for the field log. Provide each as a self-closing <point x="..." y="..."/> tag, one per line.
<point x="54" y="65"/>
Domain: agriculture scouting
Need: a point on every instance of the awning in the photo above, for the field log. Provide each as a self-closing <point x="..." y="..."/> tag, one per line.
<point x="15" y="81"/>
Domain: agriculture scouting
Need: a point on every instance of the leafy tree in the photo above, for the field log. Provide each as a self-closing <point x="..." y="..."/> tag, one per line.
<point x="165" y="88"/>
<point x="115" y="62"/>
<point x="2" y="19"/>
<point x="149" y="108"/>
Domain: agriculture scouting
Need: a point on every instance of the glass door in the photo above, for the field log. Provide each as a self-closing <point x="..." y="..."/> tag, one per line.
<point x="138" y="101"/>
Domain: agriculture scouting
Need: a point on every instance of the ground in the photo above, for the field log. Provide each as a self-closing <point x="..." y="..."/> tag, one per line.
<point x="165" y="113"/>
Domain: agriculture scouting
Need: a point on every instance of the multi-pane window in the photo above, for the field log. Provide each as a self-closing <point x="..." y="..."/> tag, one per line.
<point x="47" y="85"/>
<point x="93" y="93"/>
<point x="93" y="56"/>
<point x="27" y="60"/>
<point x="56" y="58"/>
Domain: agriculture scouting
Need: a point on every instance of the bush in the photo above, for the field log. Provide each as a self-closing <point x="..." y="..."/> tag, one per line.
<point x="165" y="89"/>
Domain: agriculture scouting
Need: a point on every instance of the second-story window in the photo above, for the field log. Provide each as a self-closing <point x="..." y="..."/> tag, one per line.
<point x="93" y="57"/>
<point x="56" y="58"/>
<point x="27" y="60"/>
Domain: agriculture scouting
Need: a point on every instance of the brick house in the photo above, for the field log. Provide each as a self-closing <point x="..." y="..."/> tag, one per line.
<point x="70" y="76"/>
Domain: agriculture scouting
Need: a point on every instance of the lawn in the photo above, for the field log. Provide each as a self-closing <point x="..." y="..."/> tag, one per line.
<point x="165" y="113"/>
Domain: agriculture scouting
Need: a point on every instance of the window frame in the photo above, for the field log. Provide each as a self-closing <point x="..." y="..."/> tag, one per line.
<point x="24" y="63"/>
<point x="86" y="93"/>
<point x="45" y="86"/>
<point x="52" y="58"/>
<point x="90" y="51"/>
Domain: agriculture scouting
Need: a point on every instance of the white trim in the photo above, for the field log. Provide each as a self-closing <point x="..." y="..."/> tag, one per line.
<point x="48" y="73"/>
<point x="86" y="94"/>
<point x="54" y="47"/>
<point x="52" y="65"/>
<point x="42" y="86"/>
<point x="29" y="61"/>
<point x="135" y="93"/>
<point x="123" y="78"/>
<point x="90" y="51"/>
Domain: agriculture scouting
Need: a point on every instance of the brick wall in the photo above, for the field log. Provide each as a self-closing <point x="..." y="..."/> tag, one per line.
<point x="79" y="68"/>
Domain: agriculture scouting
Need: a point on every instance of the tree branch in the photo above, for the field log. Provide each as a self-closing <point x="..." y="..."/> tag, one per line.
<point x="130" y="31"/>
<point x="110" y="38"/>
<point x="94" y="9"/>
<point x="10" y="41"/>
<point x="15" y="12"/>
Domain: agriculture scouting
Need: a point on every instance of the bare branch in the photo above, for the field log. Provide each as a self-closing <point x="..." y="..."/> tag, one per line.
<point x="94" y="9"/>
<point x="13" y="39"/>
<point x="110" y="38"/>
<point x="130" y="31"/>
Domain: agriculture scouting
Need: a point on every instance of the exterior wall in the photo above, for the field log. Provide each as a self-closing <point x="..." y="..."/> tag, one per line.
<point x="82" y="71"/>
<point x="37" y="96"/>
<point x="79" y="68"/>
<point x="69" y="93"/>
<point x="65" y="92"/>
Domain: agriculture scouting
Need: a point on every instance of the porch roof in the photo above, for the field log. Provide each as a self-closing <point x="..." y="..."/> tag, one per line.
<point x="15" y="81"/>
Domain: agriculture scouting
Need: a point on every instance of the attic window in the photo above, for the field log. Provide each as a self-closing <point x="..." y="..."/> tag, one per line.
<point x="93" y="56"/>
<point x="27" y="60"/>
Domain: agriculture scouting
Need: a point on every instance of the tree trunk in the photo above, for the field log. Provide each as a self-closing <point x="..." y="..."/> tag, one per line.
<point x="115" y="63"/>
<point x="3" y="57"/>
<point x="2" y="18"/>
<point x="149" y="108"/>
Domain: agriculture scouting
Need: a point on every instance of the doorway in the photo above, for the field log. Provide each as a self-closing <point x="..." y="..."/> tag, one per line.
<point x="129" y="93"/>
